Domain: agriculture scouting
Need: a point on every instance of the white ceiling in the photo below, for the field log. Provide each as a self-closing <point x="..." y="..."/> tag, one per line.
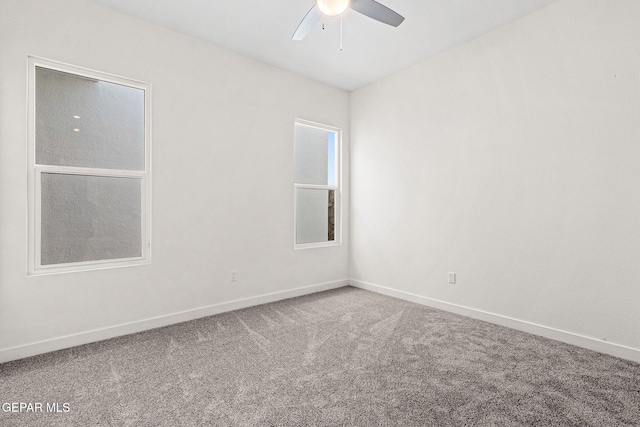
<point x="262" y="29"/>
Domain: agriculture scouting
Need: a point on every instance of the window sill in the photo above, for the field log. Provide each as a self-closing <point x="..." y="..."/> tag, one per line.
<point x="299" y="246"/>
<point x="87" y="266"/>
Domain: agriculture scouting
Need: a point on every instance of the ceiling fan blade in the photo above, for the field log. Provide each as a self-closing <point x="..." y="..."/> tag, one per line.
<point x="310" y="20"/>
<point x="377" y="11"/>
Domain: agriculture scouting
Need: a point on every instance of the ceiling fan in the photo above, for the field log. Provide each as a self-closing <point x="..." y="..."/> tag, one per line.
<point x="370" y="8"/>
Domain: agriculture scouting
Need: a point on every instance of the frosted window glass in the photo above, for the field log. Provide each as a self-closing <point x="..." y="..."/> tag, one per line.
<point x="85" y="122"/>
<point x="315" y="219"/>
<point x="314" y="156"/>
<point x="89" y="218"/>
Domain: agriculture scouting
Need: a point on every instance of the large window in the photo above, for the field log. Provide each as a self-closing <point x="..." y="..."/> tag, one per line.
<point x="89" y="162"/>
<point x="316" y="184"/>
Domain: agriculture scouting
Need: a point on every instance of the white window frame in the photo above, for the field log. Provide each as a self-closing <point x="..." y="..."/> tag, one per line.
<point x="35" y="172"/>
<point x="337" y="188"/>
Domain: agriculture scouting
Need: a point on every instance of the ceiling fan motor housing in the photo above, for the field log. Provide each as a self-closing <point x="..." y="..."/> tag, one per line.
<point x="333" y="7"/>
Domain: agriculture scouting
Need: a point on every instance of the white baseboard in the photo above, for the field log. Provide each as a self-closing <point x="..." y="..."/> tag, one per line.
<point x="60" y="343"/>
<point x="600" y="346"/>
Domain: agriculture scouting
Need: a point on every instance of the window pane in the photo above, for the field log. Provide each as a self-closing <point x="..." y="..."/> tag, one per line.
<point x="331" y="159"/>
<point x="85" y="122"/>
<point x="314" y="155"/>
<point x="89" y="218"/>
<point x="315" y="215"/>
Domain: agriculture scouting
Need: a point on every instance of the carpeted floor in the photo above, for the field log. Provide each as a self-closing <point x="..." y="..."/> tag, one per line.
<point x="345" y="357"/>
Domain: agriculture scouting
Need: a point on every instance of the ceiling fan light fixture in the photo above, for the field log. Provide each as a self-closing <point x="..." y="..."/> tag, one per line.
<point x="332" y="7"/>
<point x="370" y="8"/>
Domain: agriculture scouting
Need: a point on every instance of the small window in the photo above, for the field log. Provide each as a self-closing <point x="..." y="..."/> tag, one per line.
<point x="316" y="185"/>
<point x="89" y="159"/>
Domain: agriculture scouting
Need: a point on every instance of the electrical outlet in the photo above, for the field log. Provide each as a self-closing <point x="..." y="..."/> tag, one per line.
<point x="234" y="276"/>
<point x="452" y="278"/>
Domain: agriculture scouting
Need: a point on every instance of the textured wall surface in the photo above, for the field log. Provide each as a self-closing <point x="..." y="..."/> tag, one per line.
<point x="512" y="160"/>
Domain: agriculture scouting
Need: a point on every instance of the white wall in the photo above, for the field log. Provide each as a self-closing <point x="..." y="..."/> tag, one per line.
<point x="514" y="161"/>
<point x="222" y="168"/>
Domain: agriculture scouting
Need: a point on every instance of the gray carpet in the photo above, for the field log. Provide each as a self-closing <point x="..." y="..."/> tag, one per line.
<point x="345" y="357"/>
